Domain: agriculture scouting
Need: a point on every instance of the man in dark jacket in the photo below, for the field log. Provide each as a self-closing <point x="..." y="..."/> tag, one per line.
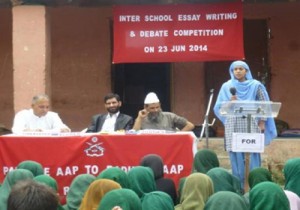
<point x="113" y="120"/>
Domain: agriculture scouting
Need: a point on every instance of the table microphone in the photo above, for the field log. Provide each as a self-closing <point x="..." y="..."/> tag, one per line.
<point x="232" y="91"/>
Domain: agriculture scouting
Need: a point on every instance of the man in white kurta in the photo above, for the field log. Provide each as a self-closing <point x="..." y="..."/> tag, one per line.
<point x="38" y="118"/>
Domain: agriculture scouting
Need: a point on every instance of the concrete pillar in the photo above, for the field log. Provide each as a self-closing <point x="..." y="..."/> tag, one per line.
<point x="31" y="54"/>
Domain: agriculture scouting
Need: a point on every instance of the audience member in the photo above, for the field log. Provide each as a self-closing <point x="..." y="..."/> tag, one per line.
<point x="204" y="160"/>
<point x="120" y="199"/>
<point x="291" y="172"/>
<point x="242" y="87"/>
<point x="31" y="195"/>
<point x="35" y="167"/>
<point x="198" y="187"/>
<point x="223" y="180"/>
<point x="141" y="180"/>
<point x="38" y="118"/>
<point x="163" y="184"/>
<point x="157" y="200"/>
<point x="11" y="178"/>
<point x="226" y="200"/>
<point x="179" y="191"/>
<point x="47" y="180"/>
<point x="50" y="182"/>
<point x="256" y="176"/>
<point x="268" y="196"/>
<point x="77" y="190"/>
<point x="116" y="174"/>
<point x="113" y="120"/>
<point x="95" y="192"/>
<point x="294" y="200"/>
<point x="152" y="117"/>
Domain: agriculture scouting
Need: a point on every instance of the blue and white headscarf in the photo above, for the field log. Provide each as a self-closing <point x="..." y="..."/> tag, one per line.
<point x="246" y="90"/>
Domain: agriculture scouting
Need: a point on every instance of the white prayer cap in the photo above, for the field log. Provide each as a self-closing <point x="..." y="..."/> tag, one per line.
<point x="151" y="98"/>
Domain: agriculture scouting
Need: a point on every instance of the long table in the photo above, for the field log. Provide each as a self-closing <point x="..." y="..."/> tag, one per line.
<point x="65" y="157"/>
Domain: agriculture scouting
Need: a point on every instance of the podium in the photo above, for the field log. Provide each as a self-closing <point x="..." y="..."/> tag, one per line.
<point x="254" y="108"/>
<point x="249" y="110"/>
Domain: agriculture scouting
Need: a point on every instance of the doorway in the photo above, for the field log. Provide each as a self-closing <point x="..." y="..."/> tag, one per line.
<point x="134" y="81"/>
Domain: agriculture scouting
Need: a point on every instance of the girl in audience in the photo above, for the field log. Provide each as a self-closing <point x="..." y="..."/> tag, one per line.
<point x="141" y="180"/>
<point x="157" y="200"/>
<point x="35" y="167"/>
<point x="226" y="200"/>
<point x="256" y="176"/>
<point x="95" y="192"/>
<point x="294" y="200"/>
<point x="268" y="196"/>
<point x="77" y="190"/>
<point x="291" y="172"/>
<point x="204" y="160"/>
<point x="49" y="181"/>
<point x="224" y="181"/>
<point x="196" y="190"/>
<point x="180" y="186"/>
<point x="11" y="178"/>
<point x="120" y="199"/>
<point x="116" y="174"/>
<point x="163" y="184"/>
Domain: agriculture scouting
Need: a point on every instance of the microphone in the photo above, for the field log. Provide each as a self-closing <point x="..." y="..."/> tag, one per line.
<point x="232" y="91"/>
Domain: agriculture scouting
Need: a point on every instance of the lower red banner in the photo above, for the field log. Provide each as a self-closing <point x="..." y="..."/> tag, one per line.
<point x="65" y="157"/>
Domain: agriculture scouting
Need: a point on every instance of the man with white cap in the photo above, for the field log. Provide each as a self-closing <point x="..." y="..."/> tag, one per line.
<point x="152" y="117"/>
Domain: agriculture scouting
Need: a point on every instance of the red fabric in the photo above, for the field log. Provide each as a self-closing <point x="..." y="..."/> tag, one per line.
<point x="135" y="32"/>
<point x="65" y="157"/>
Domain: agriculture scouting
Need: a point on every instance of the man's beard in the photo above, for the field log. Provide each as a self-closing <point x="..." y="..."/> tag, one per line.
<point x="113" y="110"/>
<point x="154" y="116"/>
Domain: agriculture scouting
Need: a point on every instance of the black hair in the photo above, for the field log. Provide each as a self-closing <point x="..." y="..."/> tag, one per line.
<point x="110" y="96"/>
<point x="31" y="195"/>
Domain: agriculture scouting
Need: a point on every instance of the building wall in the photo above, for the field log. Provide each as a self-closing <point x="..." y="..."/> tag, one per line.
<point x="6" y="68"/>
<point x="81" y="64"/>
<point x="284" y="55"/>
<point x="189" y="93"/>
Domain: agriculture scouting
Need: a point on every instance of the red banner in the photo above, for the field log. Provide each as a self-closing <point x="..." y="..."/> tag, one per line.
<point x="177" y="33"/>
<point x="65" y="157"/>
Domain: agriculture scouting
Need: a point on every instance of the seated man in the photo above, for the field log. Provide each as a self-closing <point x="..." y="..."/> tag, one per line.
<point x="113" y="120"/>
<point x="152" y="117"/>
<point x="31" y="195"/>
<point x="38" y="118"/>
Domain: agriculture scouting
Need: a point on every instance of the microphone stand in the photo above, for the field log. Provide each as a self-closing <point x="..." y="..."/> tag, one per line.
<point x="205" y="124"/>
